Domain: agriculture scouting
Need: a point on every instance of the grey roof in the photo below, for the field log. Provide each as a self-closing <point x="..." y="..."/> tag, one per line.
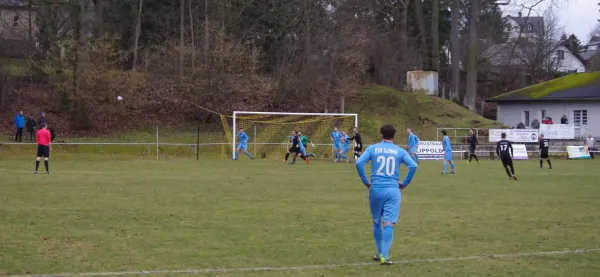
<point x="593" y="41"/>
<point x="578" y="86"/>
<point x="536" y="22"/>
<point x="588" y="55"/>
<point x="17" y="3"/>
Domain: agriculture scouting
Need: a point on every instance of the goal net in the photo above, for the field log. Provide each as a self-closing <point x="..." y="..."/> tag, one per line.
<point x="269" y="132"/>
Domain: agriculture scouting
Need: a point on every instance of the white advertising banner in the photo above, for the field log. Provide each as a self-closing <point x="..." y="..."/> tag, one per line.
<point x="430" y="150"/>
<point x="520" y="152"/>
<point x="578" y="152"/>
<point x="514" y="135"/>
<point x="557" y="131"/>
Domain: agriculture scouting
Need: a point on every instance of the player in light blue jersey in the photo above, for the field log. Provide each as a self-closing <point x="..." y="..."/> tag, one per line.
<point x="413" y="145"/>
<point x="335" y="138"/>
<point x="385" y="188"/>
<point x="345" y="147"/>
<point x="447" y="153"/>
<point x="243" y="145"/>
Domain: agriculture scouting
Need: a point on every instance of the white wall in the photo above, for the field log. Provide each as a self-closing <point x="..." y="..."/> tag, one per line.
<point x="571" y="62"/>
<point x="513" y="113"/>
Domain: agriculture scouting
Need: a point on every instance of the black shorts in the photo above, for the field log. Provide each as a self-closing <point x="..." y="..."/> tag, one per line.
<point x="294" y="149"/>
<point x="544" y="154"/>
<point x="43" y="151"/>
<point x="358" y="148"/>
<point x="506" y="161"/>
<point x="472" y="149"/>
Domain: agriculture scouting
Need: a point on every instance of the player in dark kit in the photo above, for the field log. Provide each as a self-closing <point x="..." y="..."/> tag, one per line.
<point x="504" y="149"/>
<point x="472" y="140"/>
<point x="296" y="148"/>
<point x="544" y="146"/>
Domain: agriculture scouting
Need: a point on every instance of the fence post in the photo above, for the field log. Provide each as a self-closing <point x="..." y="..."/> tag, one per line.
<point x="157" y="142"/>
<point x="254" y="139"/>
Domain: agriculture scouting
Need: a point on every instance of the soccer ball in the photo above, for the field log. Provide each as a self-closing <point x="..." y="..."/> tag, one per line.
<point x="119" y="98"/>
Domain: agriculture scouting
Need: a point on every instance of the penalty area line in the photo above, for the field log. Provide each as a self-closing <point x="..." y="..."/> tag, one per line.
<point x="310" y="267"/>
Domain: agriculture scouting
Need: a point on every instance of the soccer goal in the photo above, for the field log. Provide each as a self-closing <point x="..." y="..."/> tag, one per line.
<point x="269" y="132"/>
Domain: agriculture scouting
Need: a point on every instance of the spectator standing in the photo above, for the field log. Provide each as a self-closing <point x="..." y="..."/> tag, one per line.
<point x="43" y="120"/>
<point x="589" y="142"/>
<point x="30" y="125"/>
<point x="535" y="124"/>
<point x="564" y="120"/>
<point x="20" y="124"/>
<point x="520" y="125"/>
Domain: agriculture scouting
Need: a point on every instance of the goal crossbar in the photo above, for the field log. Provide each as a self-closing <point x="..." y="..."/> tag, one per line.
<point x="236" y="113"/>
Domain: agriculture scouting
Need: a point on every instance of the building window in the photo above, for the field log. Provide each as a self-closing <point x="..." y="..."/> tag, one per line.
<point x="526" y="118"/>
<point x="16" y="21"/>
<point x="580" y="117"/>
<point x="528" y="27"/>
<point x="560" y="54"/>
<point x="542" y="113"/>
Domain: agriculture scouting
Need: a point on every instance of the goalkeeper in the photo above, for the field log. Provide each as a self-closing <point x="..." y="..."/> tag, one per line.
<point x="304" y="140"/>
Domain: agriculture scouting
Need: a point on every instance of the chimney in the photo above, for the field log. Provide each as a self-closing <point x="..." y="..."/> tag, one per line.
<point x="520" y="14"/>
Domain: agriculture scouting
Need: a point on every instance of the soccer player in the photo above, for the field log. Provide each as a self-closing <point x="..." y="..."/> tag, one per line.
<point x="345" y="142"/>
<point x="358" y="148"/>
<point x="504" y="149"/>
<point x="447" y="153"/>
<point x="544" y="145"/>
<point x="304" y="140"/>
<point x="385" y="188"/>
<point x="243" y="146"/>
<point x="472" y="140"/>
<point x="413" y="145"/>
<point x="43" y="139"/>
<point x="335" y="138"/>
<point x="296" y="148"/>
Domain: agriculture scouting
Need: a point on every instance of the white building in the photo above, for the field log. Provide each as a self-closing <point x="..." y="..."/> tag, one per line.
<point x="577" y="98"/>
<point x="525" y="45"/>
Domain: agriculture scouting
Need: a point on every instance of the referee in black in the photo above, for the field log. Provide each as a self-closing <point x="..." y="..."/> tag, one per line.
<point x="359" y="146"/>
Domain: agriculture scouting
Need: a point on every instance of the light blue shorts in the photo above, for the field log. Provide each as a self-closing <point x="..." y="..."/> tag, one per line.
<point x="413" y="150"/>
<point x="385" y="204"/>
<point x="448" y="156"/>
<point x="336" y="147"/>
<point x="242" y="146"/>
<point x="345" y="149"/>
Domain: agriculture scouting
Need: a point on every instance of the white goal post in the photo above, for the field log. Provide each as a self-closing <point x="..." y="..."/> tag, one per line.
<point x="237" y="114"/>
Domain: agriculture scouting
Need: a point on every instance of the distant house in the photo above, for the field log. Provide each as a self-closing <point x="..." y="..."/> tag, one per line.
<point x="524" y="27"/>
<point x="576" y="96"/>
<point x="524" y="49"/>
<point x="17" y="25"/>
<point x="590" y="50"/>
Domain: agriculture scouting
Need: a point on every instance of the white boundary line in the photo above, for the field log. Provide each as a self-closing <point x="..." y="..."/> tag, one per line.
<point x="309" y="267"/>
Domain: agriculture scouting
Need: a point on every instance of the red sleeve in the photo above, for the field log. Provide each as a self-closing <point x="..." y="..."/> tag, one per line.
<point x="48" y="137"/>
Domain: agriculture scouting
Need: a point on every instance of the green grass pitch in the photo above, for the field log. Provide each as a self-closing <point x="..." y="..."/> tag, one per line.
<point x="113" y="214"/>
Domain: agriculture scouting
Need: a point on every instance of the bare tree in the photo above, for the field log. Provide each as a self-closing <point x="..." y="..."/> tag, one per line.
<point x="138" y="29"/>
<point x="472" y="53"/>
<point x="435" y="35"/>
<point x="181" y="37"/>
<point x="455" y="50"/>
<point x="426" y="62"/>
<point x="193" y="46"/>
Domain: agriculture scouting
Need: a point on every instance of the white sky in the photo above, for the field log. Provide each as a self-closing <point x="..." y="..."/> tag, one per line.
<point x="577" y="17"/>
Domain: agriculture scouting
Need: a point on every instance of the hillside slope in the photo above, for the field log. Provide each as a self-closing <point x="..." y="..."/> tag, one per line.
<point x="379" y="105"/>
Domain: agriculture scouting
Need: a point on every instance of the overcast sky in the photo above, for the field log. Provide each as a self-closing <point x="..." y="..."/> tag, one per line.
<point x="576" y="16"/>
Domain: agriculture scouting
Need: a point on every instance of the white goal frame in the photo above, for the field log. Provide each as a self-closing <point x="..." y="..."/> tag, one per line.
<point x="236" y="113"/>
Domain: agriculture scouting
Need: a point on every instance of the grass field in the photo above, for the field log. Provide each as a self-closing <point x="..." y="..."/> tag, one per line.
<point x="113" y="214"/>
